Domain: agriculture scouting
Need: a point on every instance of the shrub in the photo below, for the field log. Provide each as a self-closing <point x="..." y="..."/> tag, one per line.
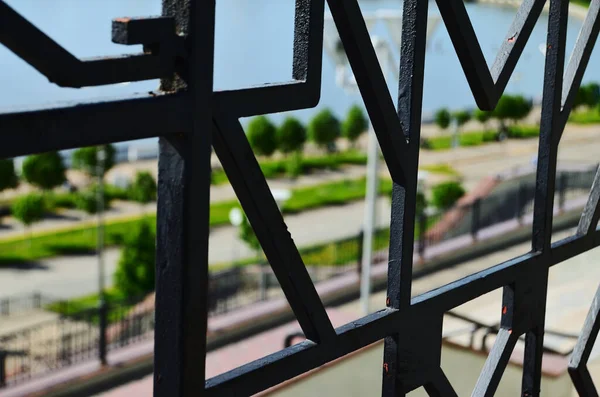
<point x="446" y="194"/>
<point x="355" y="125"/>
<point x="143" y="189"/>
<point x="136" y="269"/>
<point x="87" y="200"/>
<point x="8" y="177"/>
<point x="86" y="159"/>
<point x="262" y="136"/>
<point x="520" y="132"/>
<point x="46" y="170"/>
<point x="29" y="209"/>
<point x="294" y="166"/>
<point x="291" y="136"/>
<point x="443" y="118"/>
<point x="324" y="129"/>
<point x="247" y="235"/>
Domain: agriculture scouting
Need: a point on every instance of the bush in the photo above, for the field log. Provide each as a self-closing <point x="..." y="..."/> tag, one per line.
<point x="291" y="136"/>
<point x="520" y="132"/>
<point x="86" y="159"/>
<point x="8" y="177"/>
<point x="443" y="118"/>
<point x="136" y="269"/>
<point x="46" y="170"/>
<point x="143" y="189"/>
<point x="247" y="235"/>
<point x="29" y="209"/>
<point x="87" y="200"/>
<point x="294" y="166"/>
<point x="324" y="129"/>
<point x="262" y="136"/>
<point x="113" y="192"/>
<point x="446" y="194"/>
<point x="62" y="200"/>
<point x="355" y="125"/>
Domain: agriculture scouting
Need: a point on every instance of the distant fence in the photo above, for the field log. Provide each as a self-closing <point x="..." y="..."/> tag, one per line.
<point x="78" y="336"/>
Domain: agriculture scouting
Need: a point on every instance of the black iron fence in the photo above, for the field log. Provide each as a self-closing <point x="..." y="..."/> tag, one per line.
<point x="24" y="303"/>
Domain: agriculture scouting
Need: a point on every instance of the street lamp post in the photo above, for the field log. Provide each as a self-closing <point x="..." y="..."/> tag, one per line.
<point x="344" y="78"/>
<point x="102" y="309"/>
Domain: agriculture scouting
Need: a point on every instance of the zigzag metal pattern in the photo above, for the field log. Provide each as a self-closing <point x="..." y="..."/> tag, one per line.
<point x="412" y="328"/>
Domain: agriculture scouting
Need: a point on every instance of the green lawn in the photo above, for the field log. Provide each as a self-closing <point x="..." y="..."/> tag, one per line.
<point x="587" y="116"/>
<point x="277" y="168"/>
<point x="82" y="238"/>
<point x="476" y="138"/>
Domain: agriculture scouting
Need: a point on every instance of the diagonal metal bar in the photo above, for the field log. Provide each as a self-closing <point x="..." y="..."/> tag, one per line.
<point x="92" y="123"/>
<point x="283" y="365"/>
<point x="550" y="126"/>
<point x="532" y="362"/>
<point x="578" y="363"/>
<point x="589" y="333"/>
<point x="440" y="386"/>
<point x="64" y="69"/>
<point x="372" y="85"/>
<point x="252" y="190"/>
<point x="495" y="364"/>
<point x="488" y="87"/>
<point x="579" y="60"/>
<point x="591" y="212"/>
<point x="583" y="382"/>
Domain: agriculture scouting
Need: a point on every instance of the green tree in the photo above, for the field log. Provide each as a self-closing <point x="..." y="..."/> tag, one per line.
<point x="8" y="177"/>
<point x="511" y="107"/>
<point x="143" y="189"/>
<point x="86" y="159"/>
<point x="45" y="171"/>
<point x="29" y="209"/>
<point x="462" y="117"/>
<point x="443" y="118"/>
<point x="262" y="136"/>
<point x="483" y="116"/>
<point x="136" y="269"/>
<point x="446" y="194"/>
<point x="324" y="129"/>
<point x="587" y="95"/>
<point x="355" y="125"/>
<point x="291" y="136"/>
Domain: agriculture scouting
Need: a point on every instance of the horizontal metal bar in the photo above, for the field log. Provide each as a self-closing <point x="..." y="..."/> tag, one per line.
<point x="86" y="124"/>
<point x="63" y="68"/>
<point x="269" y="98"/>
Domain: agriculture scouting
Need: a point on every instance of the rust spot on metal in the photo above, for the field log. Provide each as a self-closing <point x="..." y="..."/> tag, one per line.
<point x="512" y="39"/>
<point x="387" y="301"/>
<point x="504" y="310"/>
<point x="510" y="331"/>
<point x="386" y="368"/>
<point x="123" y="20"/>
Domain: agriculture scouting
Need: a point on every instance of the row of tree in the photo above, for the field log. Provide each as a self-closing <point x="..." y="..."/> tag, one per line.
<point x="290" y="137"/>
<point x="509" y="107"/>
<point x="47" y="171"/>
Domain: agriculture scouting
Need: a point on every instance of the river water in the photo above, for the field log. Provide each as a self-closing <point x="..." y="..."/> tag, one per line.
<point x="254" y="46"/>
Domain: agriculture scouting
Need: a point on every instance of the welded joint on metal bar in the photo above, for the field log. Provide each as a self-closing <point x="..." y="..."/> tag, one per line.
<point x="157" y="34"/>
